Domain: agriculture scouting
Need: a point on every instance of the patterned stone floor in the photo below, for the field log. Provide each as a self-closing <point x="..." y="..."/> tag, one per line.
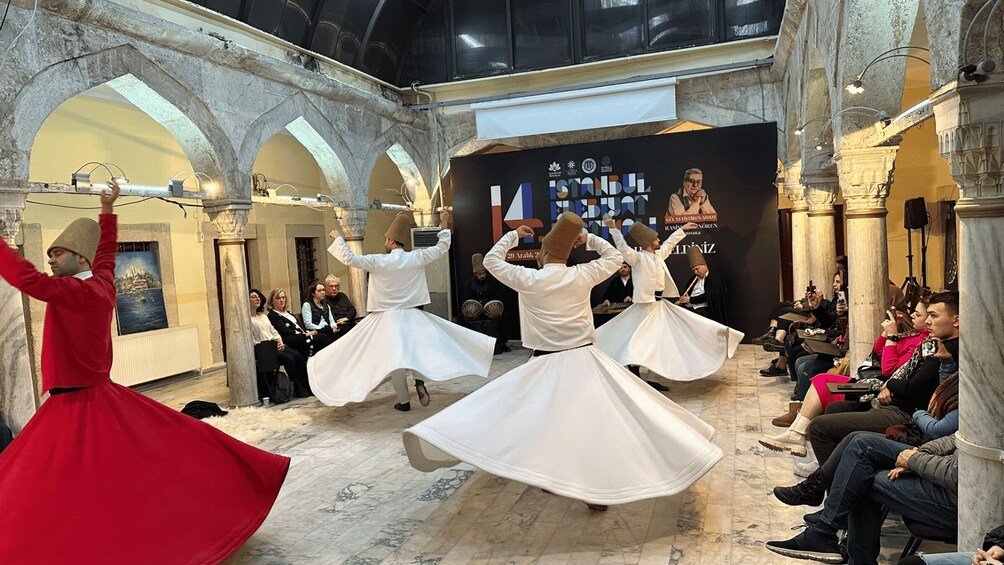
<point x="352" y="498"/>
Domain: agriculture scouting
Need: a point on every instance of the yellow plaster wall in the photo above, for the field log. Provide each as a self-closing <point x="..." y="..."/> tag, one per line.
<point x="385" y="175"/>
<point x="86" y="128"/>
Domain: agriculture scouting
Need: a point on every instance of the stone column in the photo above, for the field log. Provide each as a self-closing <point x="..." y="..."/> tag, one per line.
<point x="865" y="177"/>
<point x="820" y="191"/>
<point x="230" y="219"/>
<point x="17" y="386"/>
<point x="795" y="192"/>
<point x="970" y="125"/>
<point x="353" y="222"/>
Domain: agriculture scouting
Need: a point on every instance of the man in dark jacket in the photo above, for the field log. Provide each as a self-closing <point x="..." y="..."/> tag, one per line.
<point x="342" y="309"/>
<point x="908" y="390"/>
<point x="918" y="483"/>
<point x="707" y="295"/>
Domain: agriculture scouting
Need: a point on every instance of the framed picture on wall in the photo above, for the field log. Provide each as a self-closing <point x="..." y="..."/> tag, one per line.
<point x="139" y="301"/>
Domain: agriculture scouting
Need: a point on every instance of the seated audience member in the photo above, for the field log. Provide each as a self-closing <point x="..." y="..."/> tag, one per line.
<point x="481" y="299"/>
<point x="6" y="436"/>
<point x="893" y="348"/>
<point x="290" y="359"/>
<point x="342" y="309"/>
<point x="316" y="312"/>
<point x="823" y="314"/>
<point x="907" y="391"/>
<point x="621" y="287"/>
<point x="306" y="342"/>
<point x="992" y="553"/>
<point x="707" y="294"/>
<point x="779" y="367"/>
<point x="917" y="483"/>
<point x="941" y="418"/>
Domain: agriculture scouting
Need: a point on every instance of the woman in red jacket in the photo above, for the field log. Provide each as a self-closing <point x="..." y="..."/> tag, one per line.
<point x="893" y="347"/>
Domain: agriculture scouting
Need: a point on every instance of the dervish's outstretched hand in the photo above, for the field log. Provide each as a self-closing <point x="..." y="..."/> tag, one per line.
<point x="108" y="198"/>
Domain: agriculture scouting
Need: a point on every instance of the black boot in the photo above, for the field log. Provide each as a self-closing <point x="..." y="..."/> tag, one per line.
<point x="809" y="492"/>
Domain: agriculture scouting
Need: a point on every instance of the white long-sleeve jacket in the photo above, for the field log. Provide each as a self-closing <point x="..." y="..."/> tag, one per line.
<point x="397" y="279"/>
<point x="648" y="270"/>
<point x="554" y="312"/>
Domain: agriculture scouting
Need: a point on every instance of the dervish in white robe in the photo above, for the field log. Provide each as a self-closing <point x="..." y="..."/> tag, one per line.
<point x="396" y="338"/>
<point x="571" y="420"/>
<point x="668" y="340"/>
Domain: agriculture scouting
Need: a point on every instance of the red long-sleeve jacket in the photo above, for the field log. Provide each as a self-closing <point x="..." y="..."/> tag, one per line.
<point x="77" y="339"/>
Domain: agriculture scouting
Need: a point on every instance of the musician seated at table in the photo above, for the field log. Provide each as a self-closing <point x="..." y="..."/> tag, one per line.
<point x="707" y="291"/>
<point x="481" y="299"/>
<point x="620" y="288"/>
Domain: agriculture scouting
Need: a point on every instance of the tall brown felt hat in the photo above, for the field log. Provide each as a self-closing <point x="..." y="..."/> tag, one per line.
<point x="478" y="262"/>
<point x="642" y="234"/>
<point x="695" y="256"/>
<point x="559" y="241"/>
<point x="400" y="229"/>
<point x="80" y="237"/>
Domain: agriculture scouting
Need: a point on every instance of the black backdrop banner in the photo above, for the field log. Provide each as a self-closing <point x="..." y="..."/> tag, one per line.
<point x="636" y="180"/>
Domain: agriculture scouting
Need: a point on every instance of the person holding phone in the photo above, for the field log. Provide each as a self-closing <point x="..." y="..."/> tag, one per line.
<point x="992" y="553"/>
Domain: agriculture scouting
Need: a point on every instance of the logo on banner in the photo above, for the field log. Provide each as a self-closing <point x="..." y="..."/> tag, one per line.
<point x="589" y="166"/>
<point x="605" y="165"/>
<point x="571" y="168"/>
<point x="554" y="169"/>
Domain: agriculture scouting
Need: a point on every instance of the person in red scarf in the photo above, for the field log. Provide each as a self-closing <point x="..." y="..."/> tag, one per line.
<point x="103" y="474"/>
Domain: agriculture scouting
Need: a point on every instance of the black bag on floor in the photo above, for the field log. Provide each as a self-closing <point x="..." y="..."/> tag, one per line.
<point x="272" y="382"/>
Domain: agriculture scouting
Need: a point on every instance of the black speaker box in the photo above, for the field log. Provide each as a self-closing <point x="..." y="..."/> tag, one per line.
<point x="915" y="213"/>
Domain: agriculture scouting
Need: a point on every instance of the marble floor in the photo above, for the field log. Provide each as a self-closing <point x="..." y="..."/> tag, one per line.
<point x="352" y="498"/>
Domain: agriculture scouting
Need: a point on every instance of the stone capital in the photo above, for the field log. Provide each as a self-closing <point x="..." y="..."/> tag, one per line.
<point x="793" y="189"/>
<point x="230" y="219"/>
<point x="353" y="222"/>
<point x="866" y="175"/>
<point x="970" y="123"/>
<point x="11" y="211"/>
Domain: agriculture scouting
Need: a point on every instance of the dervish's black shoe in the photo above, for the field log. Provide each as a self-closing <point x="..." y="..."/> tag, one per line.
<point x="403" y="407"/>
<point x="423" y="394"/>
<point x="657" y="386"/>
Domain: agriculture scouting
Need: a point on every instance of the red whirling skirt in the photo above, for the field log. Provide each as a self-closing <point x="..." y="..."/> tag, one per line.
<point x="107" y="475"/>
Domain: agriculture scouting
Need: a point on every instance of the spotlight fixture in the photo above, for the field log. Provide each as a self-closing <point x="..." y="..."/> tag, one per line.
<point x="205" y="185"/>
<point x="856" y="87"/>
<point x="82" y="180"/>
<point x="879" y="115"/>
<point x="801" y="129"/>
<point x="378" y="205"/>
<point x="273" y="192"/>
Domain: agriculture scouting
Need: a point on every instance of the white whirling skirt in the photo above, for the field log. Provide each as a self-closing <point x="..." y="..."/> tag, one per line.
<point x="384" y="342"/>
<point x="575" y="423"/>
<point x="668" y="340"/>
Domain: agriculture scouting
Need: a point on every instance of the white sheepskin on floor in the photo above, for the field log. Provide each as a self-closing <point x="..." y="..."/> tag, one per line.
<point x="254" y="425"/>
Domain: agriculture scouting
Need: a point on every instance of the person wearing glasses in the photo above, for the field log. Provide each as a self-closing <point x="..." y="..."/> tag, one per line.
<point x="691" y="199"/>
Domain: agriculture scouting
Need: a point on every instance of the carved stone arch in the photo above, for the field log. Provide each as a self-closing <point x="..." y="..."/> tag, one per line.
<point x="413" y="168"/>
<point x="307" y="124"/>
<point x="886" y="25"/>
<point x="147" y="86"/>
<point x="816" y="108"/>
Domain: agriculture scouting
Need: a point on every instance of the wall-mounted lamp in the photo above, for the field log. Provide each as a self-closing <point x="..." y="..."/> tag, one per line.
<point x="856" y="86"/>
<point x="800" y="129"/>
<point x="273" y="192"/>
<point x="980" y="70"/>
<point x="82" y="180"/>
<point x="881" y="116"/>
<point x="205" y="185"/>
<point x="378" y="205"/>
